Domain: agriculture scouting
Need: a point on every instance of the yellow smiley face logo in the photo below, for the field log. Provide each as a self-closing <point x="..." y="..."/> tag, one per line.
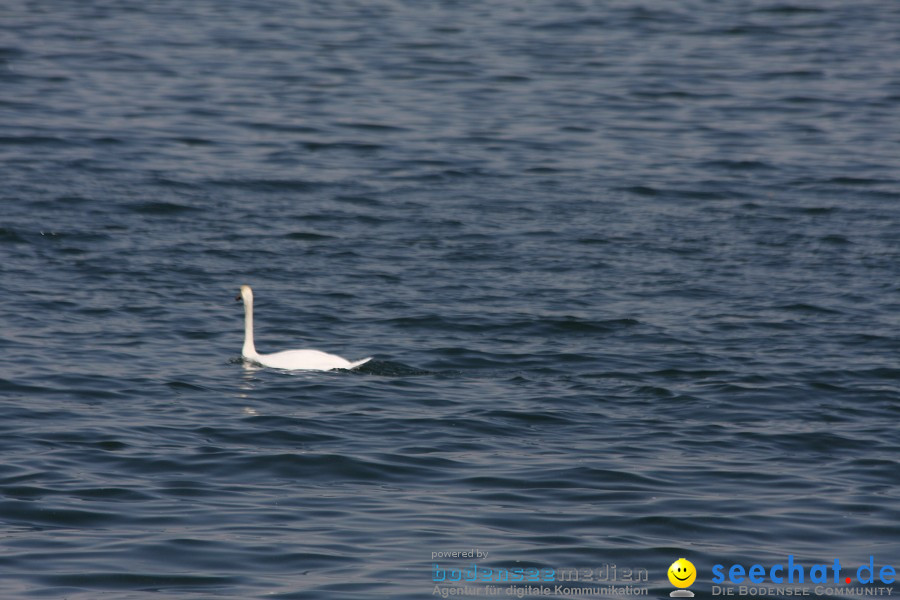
<point x="682" y="573"/>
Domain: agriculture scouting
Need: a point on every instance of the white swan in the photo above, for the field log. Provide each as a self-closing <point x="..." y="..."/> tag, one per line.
<point x="310" y="360"/>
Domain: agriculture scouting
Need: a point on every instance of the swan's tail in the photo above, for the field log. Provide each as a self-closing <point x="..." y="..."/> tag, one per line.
<point x="357" y="363"/>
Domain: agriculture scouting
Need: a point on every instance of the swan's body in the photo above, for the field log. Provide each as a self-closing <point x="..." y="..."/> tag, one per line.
<point x="309" y="360"/>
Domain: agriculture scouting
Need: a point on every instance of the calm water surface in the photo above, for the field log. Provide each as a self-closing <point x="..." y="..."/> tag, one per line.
<point x="628" y="271"/>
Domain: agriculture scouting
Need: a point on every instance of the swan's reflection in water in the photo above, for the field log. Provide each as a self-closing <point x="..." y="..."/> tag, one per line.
<point x="248" y="381"/>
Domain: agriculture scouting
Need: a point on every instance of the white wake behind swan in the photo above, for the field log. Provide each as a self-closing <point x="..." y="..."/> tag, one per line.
<point x="308" y="360"/>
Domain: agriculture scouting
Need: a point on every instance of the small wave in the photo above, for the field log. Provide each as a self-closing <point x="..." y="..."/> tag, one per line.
<point x="367" y="126"/>
<point x="364" y="148"/>
<point x="859" y="181"/>
<point x="803" y="307"/>
<point x="789" y="9"/>
<point x="739" y="165"/>
<point x="31" y="513"/>
<point x="160" y="208"/>
<point x="10" y="236"/>
<point x="36" y="140"/>
<point x="308" y="236"/>
<point x="270" y="185"/>
<point x="147" y="582"/>
<point x="388" y="368"/>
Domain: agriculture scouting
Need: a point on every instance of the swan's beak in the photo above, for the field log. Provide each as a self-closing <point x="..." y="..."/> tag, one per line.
<point x="238" y="297"/>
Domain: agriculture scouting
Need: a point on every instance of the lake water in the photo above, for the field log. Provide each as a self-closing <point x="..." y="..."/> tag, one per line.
<point x="629" y="273"/>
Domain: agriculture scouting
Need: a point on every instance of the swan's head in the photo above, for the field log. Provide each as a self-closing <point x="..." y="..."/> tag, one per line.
<point x="246" y="295"/>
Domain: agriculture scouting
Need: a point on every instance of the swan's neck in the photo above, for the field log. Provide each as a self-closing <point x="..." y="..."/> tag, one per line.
<point x="249" y="350"/>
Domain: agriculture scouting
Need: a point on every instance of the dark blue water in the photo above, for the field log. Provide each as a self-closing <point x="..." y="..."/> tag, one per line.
<point x="629" y="273"/>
